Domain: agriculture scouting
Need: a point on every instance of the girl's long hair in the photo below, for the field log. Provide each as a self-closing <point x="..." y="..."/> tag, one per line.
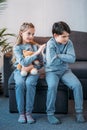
<point x="24" y="27"/>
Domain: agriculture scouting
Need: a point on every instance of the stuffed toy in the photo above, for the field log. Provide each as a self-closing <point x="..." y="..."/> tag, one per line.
<point x="31" y="68"/>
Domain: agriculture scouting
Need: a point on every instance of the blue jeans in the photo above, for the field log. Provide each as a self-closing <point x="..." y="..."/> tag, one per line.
<point x="69" y="79"/>
<point x="25" y="91"/>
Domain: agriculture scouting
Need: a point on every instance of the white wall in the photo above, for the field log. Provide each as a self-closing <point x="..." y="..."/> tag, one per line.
<point x="43" y="13"/>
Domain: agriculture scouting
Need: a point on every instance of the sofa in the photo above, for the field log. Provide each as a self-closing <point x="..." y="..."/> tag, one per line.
<point x="79" y="68"/>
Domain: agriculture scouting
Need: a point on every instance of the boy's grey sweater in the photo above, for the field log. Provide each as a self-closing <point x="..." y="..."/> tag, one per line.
<point x="59" y="55"/>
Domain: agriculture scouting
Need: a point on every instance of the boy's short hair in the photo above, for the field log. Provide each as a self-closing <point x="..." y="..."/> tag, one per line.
<point x="60" y="27"/>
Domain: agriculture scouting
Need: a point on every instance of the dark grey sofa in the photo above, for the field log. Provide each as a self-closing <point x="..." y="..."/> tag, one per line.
<point x="79" y="68"/>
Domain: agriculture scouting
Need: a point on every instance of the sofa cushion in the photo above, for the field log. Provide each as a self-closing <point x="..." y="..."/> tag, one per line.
<point x="79" y="40"/>
<point x="79" y="68"/>
<point x="41" y="40"/>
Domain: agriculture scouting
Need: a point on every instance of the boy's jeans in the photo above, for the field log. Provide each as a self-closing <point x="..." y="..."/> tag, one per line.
<point x="69" y="79"/>
<point x="25" y="91"/>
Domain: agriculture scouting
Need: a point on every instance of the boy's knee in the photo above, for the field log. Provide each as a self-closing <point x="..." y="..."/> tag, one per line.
<point x="77" y="86"/>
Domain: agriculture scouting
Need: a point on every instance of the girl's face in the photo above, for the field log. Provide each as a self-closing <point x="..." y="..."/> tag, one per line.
<point x="28" y="35"/>
<point x="63" y="39"/>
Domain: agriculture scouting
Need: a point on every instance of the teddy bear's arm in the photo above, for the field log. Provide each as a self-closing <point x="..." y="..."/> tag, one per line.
<point x="19" y="67"/>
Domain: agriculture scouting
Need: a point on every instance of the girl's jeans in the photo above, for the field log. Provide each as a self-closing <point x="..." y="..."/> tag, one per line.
<point x="25" y="91"/>
<point x="69" y="79"/>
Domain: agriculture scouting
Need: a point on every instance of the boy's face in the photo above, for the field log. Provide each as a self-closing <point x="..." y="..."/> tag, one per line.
<point x="63" y="38"/>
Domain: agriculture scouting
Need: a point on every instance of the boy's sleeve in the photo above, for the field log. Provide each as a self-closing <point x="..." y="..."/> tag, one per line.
<point x="51" y="55"/>
<point x="69" y="56"/>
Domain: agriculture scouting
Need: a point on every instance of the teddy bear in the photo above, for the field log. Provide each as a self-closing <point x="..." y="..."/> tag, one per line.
<point x="31" y="68"/>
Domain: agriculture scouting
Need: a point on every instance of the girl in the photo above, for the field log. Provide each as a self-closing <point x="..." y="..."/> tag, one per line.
<point x="25" y="86"/>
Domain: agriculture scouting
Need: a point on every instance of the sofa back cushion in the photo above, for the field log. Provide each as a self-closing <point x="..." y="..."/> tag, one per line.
<point x="79" y="40"/>
<point x="41" y="40"/>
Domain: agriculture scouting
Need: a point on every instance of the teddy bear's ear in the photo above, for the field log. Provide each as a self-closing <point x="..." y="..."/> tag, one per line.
<point x="27" y="53"/>
<point x="30" y="53"/>
<point x="24" y="51"/>
<point x="33" y="42"/>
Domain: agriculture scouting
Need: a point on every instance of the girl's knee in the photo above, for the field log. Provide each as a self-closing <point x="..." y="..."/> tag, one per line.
<point x="32" y="81"/>
<point x="20" y="82"/>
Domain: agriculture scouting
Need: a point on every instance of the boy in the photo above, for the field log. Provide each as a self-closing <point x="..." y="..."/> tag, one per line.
<point x="60" y="52"/>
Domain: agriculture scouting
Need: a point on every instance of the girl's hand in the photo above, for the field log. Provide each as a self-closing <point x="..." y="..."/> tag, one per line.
<point x="28" y="68"/>
<point x="41" y="48"/>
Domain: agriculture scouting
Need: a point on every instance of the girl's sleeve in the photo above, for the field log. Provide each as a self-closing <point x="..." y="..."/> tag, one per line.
<point x="20" y="58"/>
